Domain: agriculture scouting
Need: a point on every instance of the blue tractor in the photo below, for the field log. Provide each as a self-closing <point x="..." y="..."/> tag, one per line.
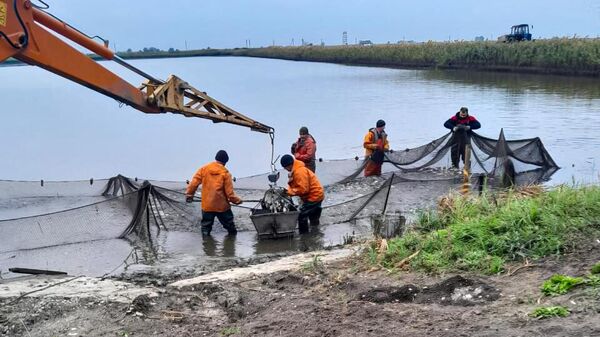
<point x="517" y="33"/>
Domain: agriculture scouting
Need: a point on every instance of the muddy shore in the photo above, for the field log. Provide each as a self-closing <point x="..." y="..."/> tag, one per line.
<point x="311" y="294"/>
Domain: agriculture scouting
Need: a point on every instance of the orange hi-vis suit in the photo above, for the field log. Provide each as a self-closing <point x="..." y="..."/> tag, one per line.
<point x="304" y="184"/>
<point x="305" y="150"/>
<point x="374" y="141"/>
<point x="217" y="187"/>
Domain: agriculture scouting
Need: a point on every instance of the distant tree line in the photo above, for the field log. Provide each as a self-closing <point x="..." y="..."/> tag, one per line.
<point x="153" y="50"/>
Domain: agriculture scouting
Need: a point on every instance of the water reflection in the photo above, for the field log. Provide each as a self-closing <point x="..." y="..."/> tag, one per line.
<point x="93" y="258"/>
<point x="223" y="248"/>
<point x="228" y="246"/>
<point x="209" y="245"/>
<point x="517" y="84"/>
<point x="313" y="240"/>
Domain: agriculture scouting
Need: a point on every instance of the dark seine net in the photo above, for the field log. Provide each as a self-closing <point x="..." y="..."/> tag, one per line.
<point x="492" y="158"/>
<point x="47" y="214"/>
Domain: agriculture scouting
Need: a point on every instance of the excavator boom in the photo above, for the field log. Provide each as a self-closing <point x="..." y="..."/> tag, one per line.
<point x="25" y="34"/>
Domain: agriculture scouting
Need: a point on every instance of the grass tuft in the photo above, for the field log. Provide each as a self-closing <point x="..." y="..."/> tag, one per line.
<point x="230" y="331"/>
<point x="313" y="266"/>
<point x="592" y="281"/>
<point x="484" y="233"/>
<point x="560" y="284"/>
<point x="549" y="312"/>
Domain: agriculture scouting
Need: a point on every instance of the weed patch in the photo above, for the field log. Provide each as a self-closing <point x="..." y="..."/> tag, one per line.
<point x="593" y="281"/>
<point x="230" y="331"/>
<point x="560" y="284"/>
<point x="313" y="266"/>
<point x="549" y="312"/>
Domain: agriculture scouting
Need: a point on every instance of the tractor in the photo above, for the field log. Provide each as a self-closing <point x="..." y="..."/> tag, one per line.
<point x="517" y="33"/>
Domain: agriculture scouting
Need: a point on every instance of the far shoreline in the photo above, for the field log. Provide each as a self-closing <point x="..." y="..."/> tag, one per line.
<point x="565" y="57"/>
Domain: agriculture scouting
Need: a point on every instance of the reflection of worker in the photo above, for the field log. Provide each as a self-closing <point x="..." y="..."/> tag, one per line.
<point x="228" y="246"/>
<point x="461" y="125"/>
<point x="209" y="245"/>
<point x="304" y="184"/>
<point x="375" y="144"/>
<point x="217" y="193"/>
<point x="304" y="149"/>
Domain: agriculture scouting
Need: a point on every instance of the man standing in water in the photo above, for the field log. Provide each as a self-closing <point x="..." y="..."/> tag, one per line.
<point x="461" y="125"/>
<point x="375" y="144"/>
<point x="304" y="184"/>
<point x="217" y="193"/>
<point x="305" y="148"/>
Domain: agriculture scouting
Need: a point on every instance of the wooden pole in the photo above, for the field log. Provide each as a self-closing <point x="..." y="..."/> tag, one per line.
<point x="466" y="185"/>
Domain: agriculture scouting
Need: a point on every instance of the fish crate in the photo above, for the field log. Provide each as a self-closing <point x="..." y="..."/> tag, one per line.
<point x="274" y="225"/>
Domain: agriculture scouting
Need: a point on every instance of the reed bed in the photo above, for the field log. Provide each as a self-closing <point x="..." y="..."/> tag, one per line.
<point x="577" y="56"/>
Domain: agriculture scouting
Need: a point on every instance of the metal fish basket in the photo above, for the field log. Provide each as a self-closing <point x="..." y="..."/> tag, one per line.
<point x="274" y="225"/>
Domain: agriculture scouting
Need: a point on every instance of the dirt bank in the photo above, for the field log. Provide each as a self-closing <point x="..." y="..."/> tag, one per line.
<point x="319" y="294"/>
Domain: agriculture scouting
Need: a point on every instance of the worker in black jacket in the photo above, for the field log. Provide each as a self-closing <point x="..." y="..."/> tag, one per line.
<point x="461" y="125"/>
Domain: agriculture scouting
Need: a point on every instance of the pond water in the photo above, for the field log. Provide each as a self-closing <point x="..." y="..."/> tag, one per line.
<point x="54" y="129"/>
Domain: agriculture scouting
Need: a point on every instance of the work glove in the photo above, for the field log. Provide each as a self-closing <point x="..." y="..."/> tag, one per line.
<point x="454" y="129"/>
<point x="283" y="192"/>
<point x="189" y="198"/>
<point x="237" y="202"/>
<point x="467" y="127"/>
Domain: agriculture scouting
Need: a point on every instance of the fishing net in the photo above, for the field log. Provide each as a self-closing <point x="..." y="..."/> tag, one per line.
<point x="35" y="215"/>
<point x="523" y="161"/>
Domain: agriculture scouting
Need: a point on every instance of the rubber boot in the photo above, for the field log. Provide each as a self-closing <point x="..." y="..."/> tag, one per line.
<point x="303" y="226"/>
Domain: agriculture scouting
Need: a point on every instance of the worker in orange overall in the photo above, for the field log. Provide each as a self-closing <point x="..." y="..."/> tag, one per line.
<point x="375" y="144"/>
<point x="304" y="184"/>
<point x="217" y="193"/>
<point x="305" y="148"/>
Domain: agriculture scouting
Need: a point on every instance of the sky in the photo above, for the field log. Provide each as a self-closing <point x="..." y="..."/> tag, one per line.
<point x="182" y="24"/>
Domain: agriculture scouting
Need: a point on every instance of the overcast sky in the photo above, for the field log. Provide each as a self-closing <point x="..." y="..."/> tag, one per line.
<point x="229" y="23"/>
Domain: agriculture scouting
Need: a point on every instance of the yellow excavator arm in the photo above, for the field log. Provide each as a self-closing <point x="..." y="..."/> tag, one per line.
<point x="25" y="35"/>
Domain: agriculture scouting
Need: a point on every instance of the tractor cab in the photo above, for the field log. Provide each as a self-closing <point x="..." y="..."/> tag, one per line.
<point x="517" y="33"/>
<point x="521" y="31"/>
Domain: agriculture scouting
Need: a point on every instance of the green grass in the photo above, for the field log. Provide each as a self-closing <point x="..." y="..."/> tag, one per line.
<point x="313" y="266"/>
<point x="476" y="234"/>
<point x="230" y="331"/>
<point x="560" y="284"/>
<point x="596" y="268"/>
<point x="549" y="312"/>
<point x="592" y="281"/>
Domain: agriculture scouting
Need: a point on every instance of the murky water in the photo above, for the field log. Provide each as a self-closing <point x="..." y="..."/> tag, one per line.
<point x="54" y="129"/>
<point x="57" y="130"/>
